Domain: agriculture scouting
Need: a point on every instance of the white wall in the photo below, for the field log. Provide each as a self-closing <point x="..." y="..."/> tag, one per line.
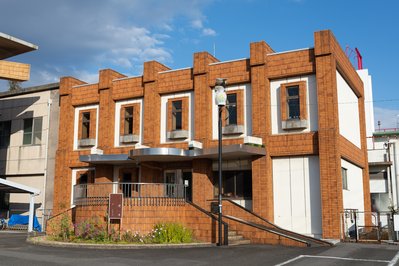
<point x="353" y="196"/>
<point x="348" y="112"/>
<point x="311" y="102"/>
<point x="247" y="112"/>
<point x="296" y="194"/>
<point x="368" y="103"/>
<point x="164" y="115"/>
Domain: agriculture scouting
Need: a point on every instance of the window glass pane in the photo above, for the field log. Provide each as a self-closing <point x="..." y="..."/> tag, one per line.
<point x="293" y="91"/>
<point x="235" y="184"/>
<point x="232" y="109"/>
<point x="293" y="102"/>
<point x="28" y="127"/>
<point x="86" y="125"/>
<point x="293" y="107"/>
<point x="344" y="173"/>
<point x="37" y="130"/>
<point x="27" y="139"/>
<point x="177" y="115"/>
<point x="128" y="130"/>
<point x="380" y="202"/>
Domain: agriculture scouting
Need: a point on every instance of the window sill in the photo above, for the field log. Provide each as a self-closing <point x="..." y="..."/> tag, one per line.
<point x="294" y="124"/>
<point x="177" y="134"/>
<point x="129" y="139"/>
<point x="233" y="130"/>
<point x="86" y="142"/>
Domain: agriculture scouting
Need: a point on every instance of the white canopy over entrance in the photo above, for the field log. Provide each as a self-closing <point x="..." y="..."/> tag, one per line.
<point x="12" y="187"/>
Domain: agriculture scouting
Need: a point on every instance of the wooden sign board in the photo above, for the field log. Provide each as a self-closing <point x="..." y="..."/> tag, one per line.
<point x="115" y="206"/>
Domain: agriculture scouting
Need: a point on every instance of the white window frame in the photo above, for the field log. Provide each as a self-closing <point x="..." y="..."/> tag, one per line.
<point x="118" y="106"/>
<point x="247" y="101"/>
<point x="164" y="115"/>
<point x="74" y="178"/>
<point x="76" y="126"/>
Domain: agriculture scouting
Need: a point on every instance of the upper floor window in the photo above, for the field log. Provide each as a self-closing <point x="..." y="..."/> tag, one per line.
<point x="5" y="132"/>
<point x="293" y="109"/>
<point x="128" y="119"/>
<point x="32" y="131"/>
<point x="293" y="105"/>
<point x="85" y="125"/>
<point x="344" y="173"/>
<point x="231" y="109"/>
<point x="177" y="123"/>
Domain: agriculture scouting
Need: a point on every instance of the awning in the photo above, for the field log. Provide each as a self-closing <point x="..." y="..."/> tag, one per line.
<point x="105" y="158"/>
<point x="11" y="46"/>
<point x="229" y="152"/>
<point x="12" y="187"/>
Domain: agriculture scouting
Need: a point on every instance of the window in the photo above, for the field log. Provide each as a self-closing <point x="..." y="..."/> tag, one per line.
<point x="231" y="109"/>
<point x="177" y="123"/>
<point x="85" y="125"/>
<point x="235" y="184"/>
<point x="344" y="173"/>
<point x="293" y="106"/>
<point x="5" y="132"/>
<point x="128" y="125"/>
<point x="32" y="131"/>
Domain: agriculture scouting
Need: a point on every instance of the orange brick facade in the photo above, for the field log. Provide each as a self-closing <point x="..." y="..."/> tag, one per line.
<point x="259" y="71"/>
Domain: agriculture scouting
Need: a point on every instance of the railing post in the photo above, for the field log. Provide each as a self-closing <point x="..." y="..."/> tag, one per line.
<point x="226" y="234"/>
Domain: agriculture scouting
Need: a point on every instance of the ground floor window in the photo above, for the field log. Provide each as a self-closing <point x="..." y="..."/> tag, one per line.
<point x="235" y="184"/>
<point x="380" y="202"/>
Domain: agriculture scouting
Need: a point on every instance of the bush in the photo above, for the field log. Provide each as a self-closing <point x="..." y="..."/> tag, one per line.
<point x="92" y="229"/>
<point x="171" y="233"/>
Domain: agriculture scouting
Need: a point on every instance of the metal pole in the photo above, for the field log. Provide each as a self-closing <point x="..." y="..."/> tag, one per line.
<point x="220" y="173"/>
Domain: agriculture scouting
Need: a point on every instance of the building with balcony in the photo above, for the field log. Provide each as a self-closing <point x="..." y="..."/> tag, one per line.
<point x="294" y="144"/>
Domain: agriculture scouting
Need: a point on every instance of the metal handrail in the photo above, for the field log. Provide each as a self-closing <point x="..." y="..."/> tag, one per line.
<point x="98" y="192"/>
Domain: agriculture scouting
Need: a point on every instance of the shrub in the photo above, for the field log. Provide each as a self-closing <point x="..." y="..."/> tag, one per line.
<point x="171" y="233"/>
<point x="92" y="229"/>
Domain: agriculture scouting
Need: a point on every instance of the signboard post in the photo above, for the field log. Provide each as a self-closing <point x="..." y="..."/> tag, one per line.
<point x="115" y="209"/>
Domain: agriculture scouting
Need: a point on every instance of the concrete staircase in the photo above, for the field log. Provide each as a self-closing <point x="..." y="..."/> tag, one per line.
<point x="236" y="239"/>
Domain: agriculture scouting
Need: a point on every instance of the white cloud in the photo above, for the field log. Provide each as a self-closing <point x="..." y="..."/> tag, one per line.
<point x="88" y="35"/>
<point x="389" y="118"/>
<point x="208" y="32"/>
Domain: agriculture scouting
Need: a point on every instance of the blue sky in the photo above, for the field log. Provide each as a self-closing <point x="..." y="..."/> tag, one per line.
<point x="78" y="38"/>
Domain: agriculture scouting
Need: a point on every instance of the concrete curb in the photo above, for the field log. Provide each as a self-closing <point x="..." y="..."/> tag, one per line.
<point x="42" y="241"/>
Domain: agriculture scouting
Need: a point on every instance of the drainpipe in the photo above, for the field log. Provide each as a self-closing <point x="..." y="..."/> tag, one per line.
<point x="49" y="103"/>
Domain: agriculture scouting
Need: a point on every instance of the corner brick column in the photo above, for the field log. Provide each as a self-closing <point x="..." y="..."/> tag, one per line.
<point x="152" y="103"/>
<point x="106" y="117"/>
<point x="329" y="155"/>
<point x="262" y="180"/>
<point x="62" y="178"/>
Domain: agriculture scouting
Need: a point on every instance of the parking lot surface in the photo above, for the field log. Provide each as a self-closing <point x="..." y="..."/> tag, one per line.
<point x="14" y="250"/>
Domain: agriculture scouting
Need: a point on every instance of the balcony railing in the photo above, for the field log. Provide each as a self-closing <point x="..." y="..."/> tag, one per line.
<point x="134" y="194"/>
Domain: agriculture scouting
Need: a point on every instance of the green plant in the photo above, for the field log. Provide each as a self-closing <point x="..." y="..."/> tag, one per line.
<point x="171" y="233"/>
<point x="92" y="229"/>
<point x="65" y="227"/>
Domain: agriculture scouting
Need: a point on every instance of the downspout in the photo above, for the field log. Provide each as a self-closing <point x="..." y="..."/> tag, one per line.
<point x="49" y="103"/>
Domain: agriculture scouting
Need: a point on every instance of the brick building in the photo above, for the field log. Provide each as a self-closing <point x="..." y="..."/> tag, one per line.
<point x="294" y="145"/>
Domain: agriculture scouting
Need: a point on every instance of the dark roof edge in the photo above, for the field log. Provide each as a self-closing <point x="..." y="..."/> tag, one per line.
<point x="45" y="87"/>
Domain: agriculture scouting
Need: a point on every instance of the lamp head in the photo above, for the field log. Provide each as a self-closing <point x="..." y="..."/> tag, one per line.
<point x="220" y="92"/>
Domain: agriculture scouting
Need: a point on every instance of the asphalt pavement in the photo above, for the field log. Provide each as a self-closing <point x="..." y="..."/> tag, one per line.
<point x="14" y="250"/>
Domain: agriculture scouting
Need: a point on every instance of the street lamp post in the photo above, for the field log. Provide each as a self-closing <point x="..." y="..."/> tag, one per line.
<point x="220" y="100"/>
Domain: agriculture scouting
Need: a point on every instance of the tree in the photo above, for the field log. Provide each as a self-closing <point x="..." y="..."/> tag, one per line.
<point x="14" y="85"/>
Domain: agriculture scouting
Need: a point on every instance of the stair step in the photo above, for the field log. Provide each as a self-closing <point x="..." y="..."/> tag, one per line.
<point x="232" y="233"/>
<point x="236" y="238"/>
<point x="240" y="242"/>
